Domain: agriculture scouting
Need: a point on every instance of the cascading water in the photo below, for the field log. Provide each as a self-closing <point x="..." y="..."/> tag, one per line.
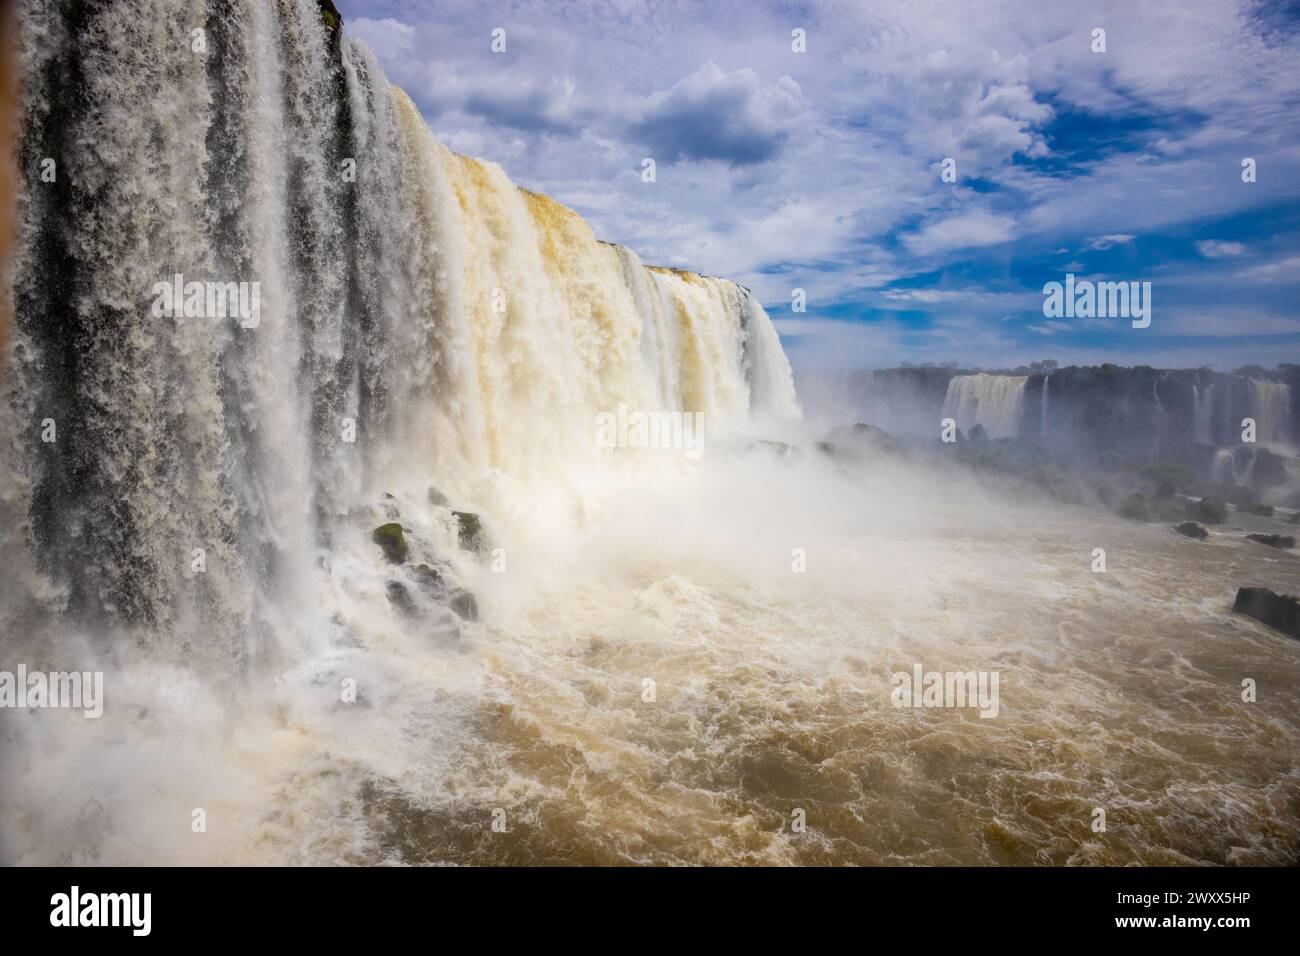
<point x="1043" y="420"/>
<point x="1270" y="405"/>
<point x="993" y="401"/>
<point x="456" y="325"/>
<point x="1203" y="413"/>
<point x="207" y="485"/>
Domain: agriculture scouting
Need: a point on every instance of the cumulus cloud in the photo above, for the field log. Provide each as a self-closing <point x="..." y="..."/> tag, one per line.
<point x="546" y="106"/>
<point x="712" y="114"/>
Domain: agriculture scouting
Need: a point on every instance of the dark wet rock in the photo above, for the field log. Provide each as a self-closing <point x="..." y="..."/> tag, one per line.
<point x="1208" y="510"/>
<point x="464" y="604"/>
<point x="392" y="540"/>
<point x="1279" y="611"/>
<point x="400" y="598"/>
<point x="977" y="435"/>
<point x="437" y="498"/>
<point x="1264" y="511"/>
<point x="333" y="24"/>
<point x="470" y="532"/>
<point x="1192" y="530"/>
<point x="1273" y="540"/>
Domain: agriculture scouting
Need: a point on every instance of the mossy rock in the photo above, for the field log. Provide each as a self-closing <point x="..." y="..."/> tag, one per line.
<point x="392" y="540"/>
<point x="1192" y="530"/>
<point x="469" y="531"/>
<point x="330" y="14"/>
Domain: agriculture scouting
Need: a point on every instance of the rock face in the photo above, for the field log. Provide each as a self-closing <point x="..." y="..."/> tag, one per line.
<point x="1192" y="530"/>
<point x="391" y="539"/>
<point x="1279" y="611"/>
<point x="470" y="532"/>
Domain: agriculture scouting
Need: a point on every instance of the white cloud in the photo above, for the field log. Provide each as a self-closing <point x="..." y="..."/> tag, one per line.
<point x="1218" y="249"/>
<point x="1109" y="242"/>
<point x="963" y="231"/>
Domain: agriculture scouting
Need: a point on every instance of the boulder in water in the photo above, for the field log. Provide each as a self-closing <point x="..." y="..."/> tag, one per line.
<point x="429" y="579"/>
<point x="1264" y="511"/>
<point x="1192" y="530"/>
<point x="1279" y="611"/>
<point x="392" y="540"/>
<point x="1273" y="540"/>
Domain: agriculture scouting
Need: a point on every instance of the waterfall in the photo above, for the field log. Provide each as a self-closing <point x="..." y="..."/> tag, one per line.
<point x="993" y="401"/>
<point x="1042" y="422"/>
<point x="423" y="321"/>
<point x="1203" y="413"/>
<point x="1270" y="406"/>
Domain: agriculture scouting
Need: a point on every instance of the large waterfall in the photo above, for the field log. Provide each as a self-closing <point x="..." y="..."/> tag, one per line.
<point x="421" y="320"/>
<point x="994" y="401"/>
<point x="306" y="456"/>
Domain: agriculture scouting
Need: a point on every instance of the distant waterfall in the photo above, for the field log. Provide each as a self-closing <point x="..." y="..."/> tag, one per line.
<point x="1203" y="413"/>
<point x="1270" y="406"/>
<point x="422" y="319"/>
<point x="994" y="401"/>
<point x="1042" y="418"/>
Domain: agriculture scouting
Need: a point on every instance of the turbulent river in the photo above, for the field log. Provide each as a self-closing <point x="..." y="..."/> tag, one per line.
<point x="667" y="657"/>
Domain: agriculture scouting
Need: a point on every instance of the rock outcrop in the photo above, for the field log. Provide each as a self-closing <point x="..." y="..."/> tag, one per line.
<point x="1279" y="611"/>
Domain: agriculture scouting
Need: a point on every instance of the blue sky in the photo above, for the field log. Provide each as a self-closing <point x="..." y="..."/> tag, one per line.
<point x="821" y="170"/>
